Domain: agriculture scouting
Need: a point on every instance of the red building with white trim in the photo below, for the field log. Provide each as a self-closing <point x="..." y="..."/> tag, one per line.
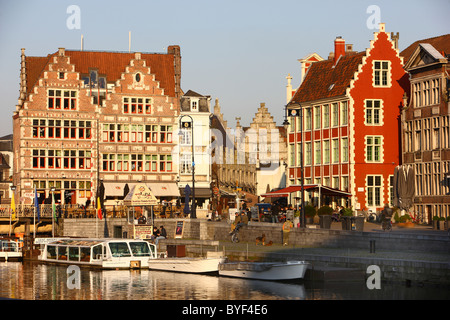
<point x="351" y="111"/>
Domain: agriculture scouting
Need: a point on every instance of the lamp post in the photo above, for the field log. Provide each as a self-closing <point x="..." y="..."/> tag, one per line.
<point x="187" y="125"/>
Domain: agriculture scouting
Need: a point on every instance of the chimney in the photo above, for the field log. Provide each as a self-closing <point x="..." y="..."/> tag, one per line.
<point x="339" y="48"/>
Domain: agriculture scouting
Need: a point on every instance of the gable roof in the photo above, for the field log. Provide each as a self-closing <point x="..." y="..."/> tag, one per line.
<point x="325" y="80"/>
<point x="440" y="43"/>
<point x="111" y="64"/>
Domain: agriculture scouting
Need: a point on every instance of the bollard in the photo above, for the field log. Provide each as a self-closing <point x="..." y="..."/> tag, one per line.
<point x="372" y="246"/>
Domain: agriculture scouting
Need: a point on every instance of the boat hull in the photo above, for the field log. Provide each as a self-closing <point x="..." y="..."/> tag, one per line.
<point x="265" y="271"/>
<point x="10" y="256"/>
<point x="186" y="265"/>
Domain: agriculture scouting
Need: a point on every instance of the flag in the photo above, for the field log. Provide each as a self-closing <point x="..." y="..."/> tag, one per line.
<point x="99" y="209"/>
<point x="54" y="207"/>
<point x="36" y="204"/>
<point x="13" y="207"/>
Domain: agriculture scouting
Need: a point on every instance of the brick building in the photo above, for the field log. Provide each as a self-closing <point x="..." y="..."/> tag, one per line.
<point x="85" y="116"/>
<point x="426" y="125"/>
<point x="351" y="108"/>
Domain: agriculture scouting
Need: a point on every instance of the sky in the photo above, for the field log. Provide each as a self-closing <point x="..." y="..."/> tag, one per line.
<point x="239" y="52"/>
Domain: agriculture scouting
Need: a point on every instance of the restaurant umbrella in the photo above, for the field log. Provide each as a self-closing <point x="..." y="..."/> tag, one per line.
<point x="404" y="187"/>
<point x="187" y="193"/>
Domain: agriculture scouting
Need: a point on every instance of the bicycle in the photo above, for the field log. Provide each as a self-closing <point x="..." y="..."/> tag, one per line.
<point x="386" y="225"/>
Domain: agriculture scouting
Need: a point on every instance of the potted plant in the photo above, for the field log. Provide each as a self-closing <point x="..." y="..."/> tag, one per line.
<point x="405" y="221"/>
<point x="347" y="215"/>
<point x="441" y="223"/>
<point x="310" y="212"/>
<point x="325" y="216"/>
<point x="436" y="223"/>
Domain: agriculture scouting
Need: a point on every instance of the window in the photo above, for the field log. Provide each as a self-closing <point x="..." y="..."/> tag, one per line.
<point x="186" y="136"/>
<point x="317" y="152"/>
<point x="109" y="162"/>
<point x="326" y="151"/>
<point x="335" y="150"/>
<point x="435" y="96"/>
<point x="373" y="112"/>
<point x="374" y="191"/>
<point x="165" y="134"/>
<point x="308" y="154"/>
<point x="373" y="149"/>
<point x="344" y="145"/>
<point x="62" y="99"/>
<point x="326" y="116"/>
<point x="308" y="118"/>
<point x="185" y="163"/>
<point x="39" y="128"/>
<point x="165" y="163"/>
<point x="381" y="73"/>
<point x="334" y="115"/>
<point x="418" y="135"/>
<point x="137" y="105"/>
<point x="39" y="158"/>
<point x="151" y="133"/>
<point x="194" y="104"/>
<point x="317" y="117"/>
<point x="137" y="163"/>
<point x="344" y="113"/>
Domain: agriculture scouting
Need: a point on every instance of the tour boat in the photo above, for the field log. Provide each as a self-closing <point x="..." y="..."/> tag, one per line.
<point x="208" y="264"/>
<point x="100" y="253"/>
<point x="10" y="250"/>
<point x="264" y="270"/>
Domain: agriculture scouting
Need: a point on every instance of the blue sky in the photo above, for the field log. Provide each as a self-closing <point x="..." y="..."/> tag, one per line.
<point x="237" y="51"/>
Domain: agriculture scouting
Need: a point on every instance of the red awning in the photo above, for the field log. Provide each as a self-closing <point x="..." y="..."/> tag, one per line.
<point x="285" y="192"/>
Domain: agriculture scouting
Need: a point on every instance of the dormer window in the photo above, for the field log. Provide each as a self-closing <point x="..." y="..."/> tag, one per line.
<point x="194" y="104"/>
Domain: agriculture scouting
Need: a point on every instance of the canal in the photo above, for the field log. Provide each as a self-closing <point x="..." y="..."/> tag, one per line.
<point x="35" y="281"/>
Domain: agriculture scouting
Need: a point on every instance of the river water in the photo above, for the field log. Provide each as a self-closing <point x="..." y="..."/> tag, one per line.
<point x="35" y="281"/>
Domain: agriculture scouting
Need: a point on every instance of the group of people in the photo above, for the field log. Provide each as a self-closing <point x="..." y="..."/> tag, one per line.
<point x="158" y="234"/>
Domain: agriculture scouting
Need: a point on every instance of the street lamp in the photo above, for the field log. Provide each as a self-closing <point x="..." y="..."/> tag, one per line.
<point x="191" y="125"/>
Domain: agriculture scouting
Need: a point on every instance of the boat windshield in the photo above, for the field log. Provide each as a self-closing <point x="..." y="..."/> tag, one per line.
<point x="140" y="249"/>
<point x="119" y="249"/>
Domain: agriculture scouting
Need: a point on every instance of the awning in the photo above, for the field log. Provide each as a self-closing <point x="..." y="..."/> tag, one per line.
<point x="159" y="189"/>
<point x="308" y="187"/>
<point x="162" y="189"/>
<point x="114" y="189"/>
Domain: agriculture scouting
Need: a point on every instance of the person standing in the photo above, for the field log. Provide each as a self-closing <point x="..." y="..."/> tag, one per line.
<point x="287" y="226"/>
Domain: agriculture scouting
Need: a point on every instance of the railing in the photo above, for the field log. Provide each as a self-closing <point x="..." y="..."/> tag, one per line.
<point x="66" y="211"/>
<point x="78" y="211"/>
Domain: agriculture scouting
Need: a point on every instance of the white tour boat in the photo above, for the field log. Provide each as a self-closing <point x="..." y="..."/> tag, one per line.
<point x="101" y="253"/>
<point x="10" y="250"/>
<point x="264" y="270"/>
<point x="208" y="264"/>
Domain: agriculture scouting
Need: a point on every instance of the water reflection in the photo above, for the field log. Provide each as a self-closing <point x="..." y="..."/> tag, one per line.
<point x="48" y="282"/>
<point x="34" y="281"/>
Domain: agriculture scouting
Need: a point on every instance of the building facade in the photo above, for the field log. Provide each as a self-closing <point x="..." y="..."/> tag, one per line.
<point x="195" y="113"/>
<point x="349" y="138"/>
<point x="426" y="125"/>
<point x="86" y="117"/>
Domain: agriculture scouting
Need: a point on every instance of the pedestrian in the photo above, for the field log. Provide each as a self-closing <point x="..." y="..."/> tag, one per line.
<point x="287" y="226"/>
<point x="162" y="234"/>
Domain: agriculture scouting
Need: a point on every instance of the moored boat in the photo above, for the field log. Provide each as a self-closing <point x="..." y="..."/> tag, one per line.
<point x="208" y="264"/>
<point x="264" y="270"/>
<point x="10" y="250"/>
<point x="98" y="253"/>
